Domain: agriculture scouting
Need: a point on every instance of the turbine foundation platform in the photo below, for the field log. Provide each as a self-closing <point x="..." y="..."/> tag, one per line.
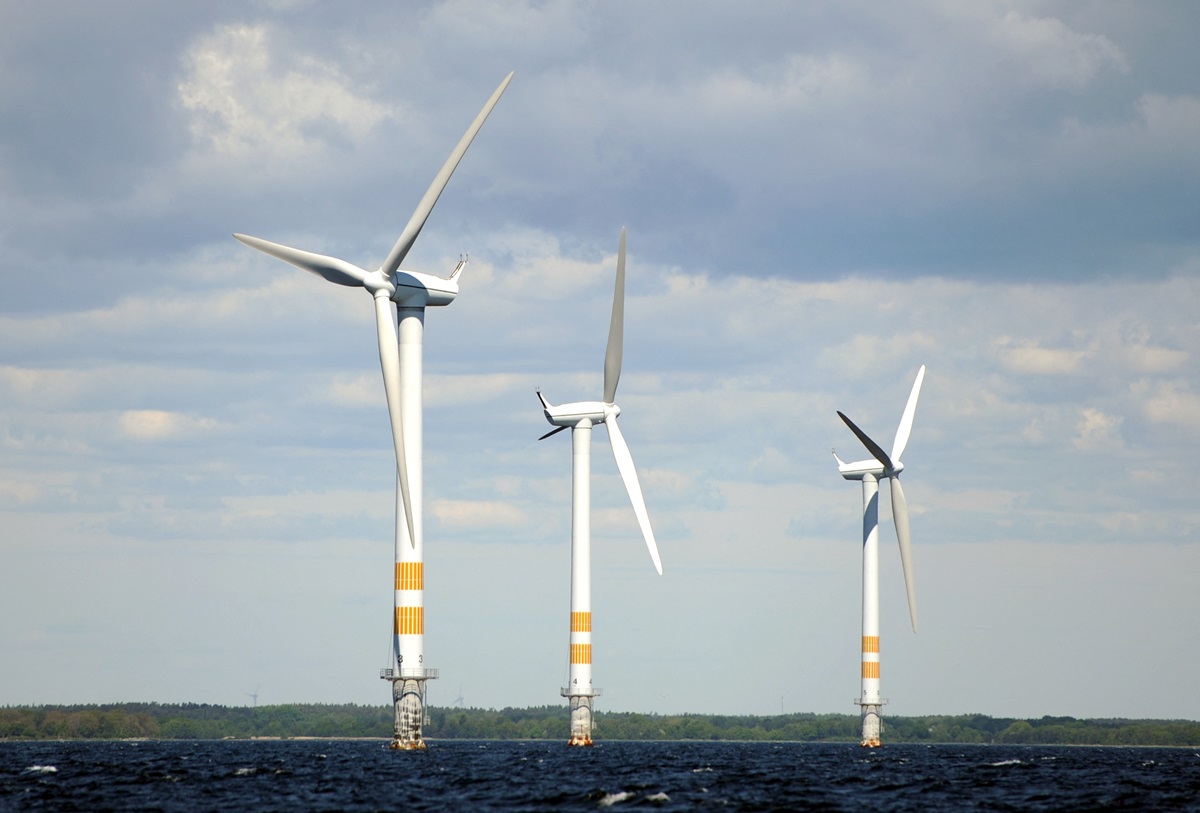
<point x="408" y="695"/>
<point x="582" y="723"/>
<point x="872" y="722"/>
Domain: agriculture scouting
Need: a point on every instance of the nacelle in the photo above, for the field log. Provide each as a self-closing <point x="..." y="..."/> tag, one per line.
<point x="415" y="289"/>
<point x="859" y="468"/>
<point x="576" y="413"/>
<point x="421" y="290"/>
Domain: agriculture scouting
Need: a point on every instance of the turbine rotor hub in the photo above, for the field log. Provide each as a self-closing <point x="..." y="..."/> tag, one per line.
<point x="379" y="283"/>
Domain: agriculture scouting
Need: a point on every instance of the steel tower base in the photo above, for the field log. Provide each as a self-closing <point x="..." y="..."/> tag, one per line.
<point x="872" y="722"/>
<point x="580" y="703"/>
<point x="408" y="695"/>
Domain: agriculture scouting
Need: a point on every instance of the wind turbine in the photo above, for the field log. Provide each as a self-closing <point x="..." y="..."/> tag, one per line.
<point x="579" y="417"/>
<point x="400" y="358"/>
<point x="870" y="471"/>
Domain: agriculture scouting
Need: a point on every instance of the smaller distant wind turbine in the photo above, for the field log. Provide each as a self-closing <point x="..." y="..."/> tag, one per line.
<point x="579" y="417"/>
<point x="880" y="465"/>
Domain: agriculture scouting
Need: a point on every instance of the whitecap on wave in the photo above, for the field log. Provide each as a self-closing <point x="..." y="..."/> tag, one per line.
<point x="611" y="799"/>
<point x="41" y="769"/>
<point x="1004" y="762"/>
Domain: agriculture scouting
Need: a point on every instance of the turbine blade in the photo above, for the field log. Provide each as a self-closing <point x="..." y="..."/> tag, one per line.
<point x="906" y="420"/>
<point x="629" y="477"/>
<point x="900" y="516"/>
<point x="331" y="268"/>
<point x="554" y="431"/>
<point x="417" y="221"/>
<point x="389" y="360"/>
<point x="616" y="330"/>
<point x="871" y="445"/>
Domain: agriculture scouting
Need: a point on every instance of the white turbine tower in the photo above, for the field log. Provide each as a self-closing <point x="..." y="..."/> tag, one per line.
<point x="400" y="357"/>
<point x="870" y="471"/>
<point x="580" y="416"/>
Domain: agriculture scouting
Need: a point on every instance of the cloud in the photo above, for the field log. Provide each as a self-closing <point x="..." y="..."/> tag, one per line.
<point x="1171" y="403"/>
<point x="1029" y="359"/>
<point x="472" y="514"/>
<point x="18" y="491"/>
<point x="1143" y="359"/>
<point x="1045" y="51"/>
<point x="246" y="107"/>
<point x="362" y="389"/>
<point x="156" y="424"/>
<point x="1095" y="430"/>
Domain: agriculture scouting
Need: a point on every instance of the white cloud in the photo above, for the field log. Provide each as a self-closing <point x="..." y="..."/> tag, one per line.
<point x="358" y="390"/>
<point x="18" y="491"/>
<point x="246" y="106"/>
<point x="1097" y="430"/>
<point x="457" y="389"/>
<point x="1171" y="403"/>
<point x="1027" y="358"/>
<point x="1171" y="123"/>
<point x="476" y="514"/>
<point x="1045" y="51"/>
<point x="40" y="387"/>
<point x="157" y="424"/>
<point x="800" y="83"/>
<point x="1145" y="359"/>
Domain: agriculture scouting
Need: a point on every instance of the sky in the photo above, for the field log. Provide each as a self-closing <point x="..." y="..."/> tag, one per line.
<point x="196" y="471"/>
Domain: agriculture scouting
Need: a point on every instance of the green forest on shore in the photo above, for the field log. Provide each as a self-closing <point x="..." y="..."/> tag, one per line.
<point x="191" y="721"/>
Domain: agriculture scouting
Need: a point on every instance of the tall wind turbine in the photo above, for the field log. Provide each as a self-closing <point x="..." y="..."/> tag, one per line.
<point x="400" y="357"/>
<point x="579" y="417"/>
<point x="870" y="471"/>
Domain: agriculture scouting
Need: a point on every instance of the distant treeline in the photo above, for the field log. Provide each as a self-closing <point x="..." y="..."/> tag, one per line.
<point x="190" y="721"/>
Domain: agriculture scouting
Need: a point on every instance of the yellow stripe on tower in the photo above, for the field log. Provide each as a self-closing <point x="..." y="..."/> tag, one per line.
<point x="410" y="575"/>
<point x="581" y="622"/>
<point x="870" y="643"/>
<point x="870" y="669"/>
<point x="410" y="621"/>
<point x="581" y="653"/>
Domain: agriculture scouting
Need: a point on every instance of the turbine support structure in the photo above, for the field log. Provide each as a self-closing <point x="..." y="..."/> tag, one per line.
<point x="869" y="702"/>
<point x="408" y="673"/>
<point x="579" y="691"/>
<point x="581" y="705"/>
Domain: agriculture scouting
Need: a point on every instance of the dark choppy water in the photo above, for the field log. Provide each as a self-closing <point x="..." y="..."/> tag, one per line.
<point x="363" y="775"/>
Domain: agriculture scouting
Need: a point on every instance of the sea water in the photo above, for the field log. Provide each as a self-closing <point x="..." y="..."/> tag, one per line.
<point x="352" y="775"/>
